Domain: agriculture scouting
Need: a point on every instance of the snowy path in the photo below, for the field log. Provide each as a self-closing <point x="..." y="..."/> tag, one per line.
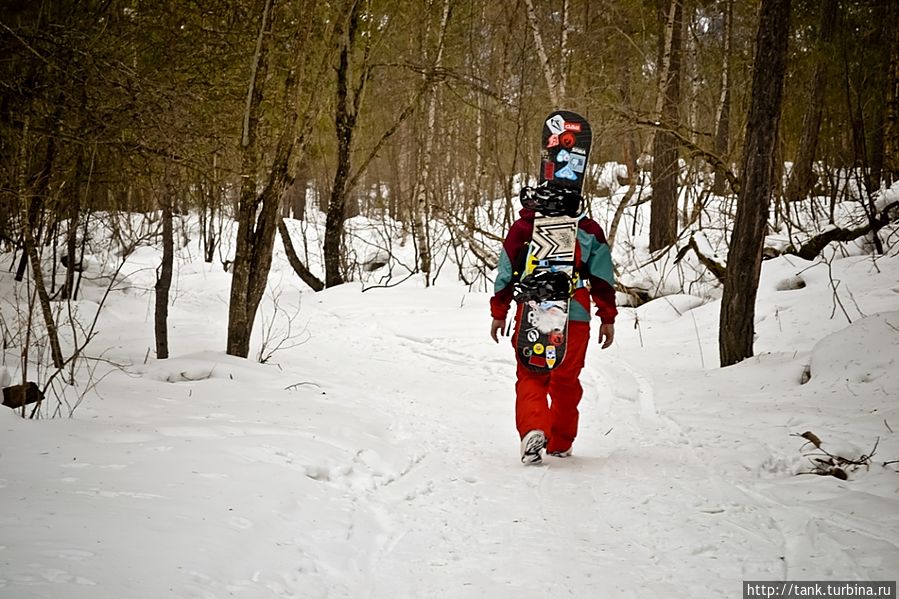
<point x="380" y="459"/>
<point x="633" y="504"/>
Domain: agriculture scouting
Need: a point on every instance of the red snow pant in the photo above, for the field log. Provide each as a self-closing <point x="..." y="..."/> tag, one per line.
<point x="558" y="418"/>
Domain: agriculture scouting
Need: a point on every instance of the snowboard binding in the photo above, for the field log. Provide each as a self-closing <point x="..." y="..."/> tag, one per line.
<point x="544" y="286"/>
<point x="552" y="201"/>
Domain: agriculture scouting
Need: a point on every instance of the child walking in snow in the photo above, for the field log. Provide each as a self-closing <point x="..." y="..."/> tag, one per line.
<point x="542" y="423"/>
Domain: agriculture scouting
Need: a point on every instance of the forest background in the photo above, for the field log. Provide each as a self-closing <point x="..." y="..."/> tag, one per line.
<point x="427" y="112"/>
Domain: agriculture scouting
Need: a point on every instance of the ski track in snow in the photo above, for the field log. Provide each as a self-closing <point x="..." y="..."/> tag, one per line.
<point x="485" y="526"/>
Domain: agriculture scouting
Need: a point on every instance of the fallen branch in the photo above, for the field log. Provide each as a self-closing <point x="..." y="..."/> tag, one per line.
<point x="828" y="464"/>
<point x="638" y="296"/>
<point x="298" y="267"/>
<point x="814" y="246"/>
<point x="716" y="268"/>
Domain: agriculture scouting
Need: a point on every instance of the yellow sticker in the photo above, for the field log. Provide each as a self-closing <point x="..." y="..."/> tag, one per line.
<point x="538" y="348"/>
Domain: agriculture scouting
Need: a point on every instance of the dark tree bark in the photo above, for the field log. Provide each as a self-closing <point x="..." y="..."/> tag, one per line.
<point x="856" y="102"/>
<point x="883" y="31"/>
<point x="295" y="198"/>
<point x="891" y="133"/>
<point x="259" y="211"/>
<point x="40" y="186"/>
<point x="737" y="321"/>
<point x="210" y="239"/>
<point x="802" y="177"/>
<point x="298" y="267"/>
<point x="68" y="288"/>
<point x="348" y="103"/>
<point x="345" y="120"/>
<point x="665" y="168"/>
<point x="164" y="279"/>
<point x="259" y="214"/>
<point x="239" y="317"/>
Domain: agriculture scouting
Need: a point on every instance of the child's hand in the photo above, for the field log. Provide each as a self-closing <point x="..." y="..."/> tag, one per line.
<point x="606" y="335"/>
<point x="497" y="327"/>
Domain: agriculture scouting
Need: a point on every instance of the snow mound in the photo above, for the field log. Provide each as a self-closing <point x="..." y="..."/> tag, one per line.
<point x="203" y="366"/>
<point x="669" y="307"/>
<point x="863" y="353"/>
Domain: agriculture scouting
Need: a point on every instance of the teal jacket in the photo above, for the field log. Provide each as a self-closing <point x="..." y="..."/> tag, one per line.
<point x="593" y="259"/>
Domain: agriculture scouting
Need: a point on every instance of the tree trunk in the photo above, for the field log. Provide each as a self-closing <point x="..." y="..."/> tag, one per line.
<point x="737" y="320"/>
<point x="881" y="92"/>
<point x="29" y="211"/>
<point x="802" y="177"/>
<point x="555" y="83"/>
<point x="347" y="108"/>
<point x="164" y="278"/>
<point x="891" y="134"/>
<point x="722" y="122"/>
<point x="666" y="39"/>
<point x="210" y="238"/>
<point x="665" y="167"/>
<point x="424" y="178"/>
<point x="629" y="141"/>
<point x="68" y="288"/>
<point x="296" y="197"/>
<point x="345" y="122"/>
<point x="239" y="312"/>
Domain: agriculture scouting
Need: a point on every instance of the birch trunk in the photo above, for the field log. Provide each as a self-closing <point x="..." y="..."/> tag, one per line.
<point x="722" y="115"/>
<point x="554" y="83"/>
<point x="422" y="207"/>
<point x="664" y="68"/>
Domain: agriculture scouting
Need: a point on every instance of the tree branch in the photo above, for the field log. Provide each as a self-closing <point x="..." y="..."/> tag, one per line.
<point x="694" y="149"/>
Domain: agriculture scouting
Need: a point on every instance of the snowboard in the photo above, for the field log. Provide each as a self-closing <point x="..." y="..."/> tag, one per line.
<point x="549" y="279"/>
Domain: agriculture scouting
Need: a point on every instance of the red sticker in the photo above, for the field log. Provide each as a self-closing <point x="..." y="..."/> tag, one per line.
<point x="576" y="127"/>
<point x="539" y="361"/>
<point x="567" y="140"/>
<point x="553" y="141"/>
<point x="549" y="171"/>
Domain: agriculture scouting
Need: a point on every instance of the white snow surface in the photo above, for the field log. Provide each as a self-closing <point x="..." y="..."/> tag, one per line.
<point x="375" y="454"/>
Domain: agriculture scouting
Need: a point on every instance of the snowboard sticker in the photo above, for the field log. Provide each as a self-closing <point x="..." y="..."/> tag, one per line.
<point x="542" y="327"/>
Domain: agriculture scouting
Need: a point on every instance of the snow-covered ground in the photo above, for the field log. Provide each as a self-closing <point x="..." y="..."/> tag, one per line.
<point x="375" y="453"/>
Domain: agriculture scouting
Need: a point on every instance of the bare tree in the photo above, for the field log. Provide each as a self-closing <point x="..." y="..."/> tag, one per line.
<point x="164" y="276"/>
<point x="737" y="321"/>
<point x="556" y="78"/>
<point x="665" y="165"/>
<point x="349" y="95"/>
<point x="424" y="181"/>
<point x="802" y="177"/>
<point x="259" y="209"/>
<point x="722" y="115"/>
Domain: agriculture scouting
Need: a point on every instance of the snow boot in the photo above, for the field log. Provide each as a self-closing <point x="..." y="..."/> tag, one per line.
<point x="560" y="454"/>
<point x="531" y="446"/>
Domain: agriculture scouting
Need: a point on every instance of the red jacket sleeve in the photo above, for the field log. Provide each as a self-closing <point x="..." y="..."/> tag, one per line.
<point x="511" y="259"/>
